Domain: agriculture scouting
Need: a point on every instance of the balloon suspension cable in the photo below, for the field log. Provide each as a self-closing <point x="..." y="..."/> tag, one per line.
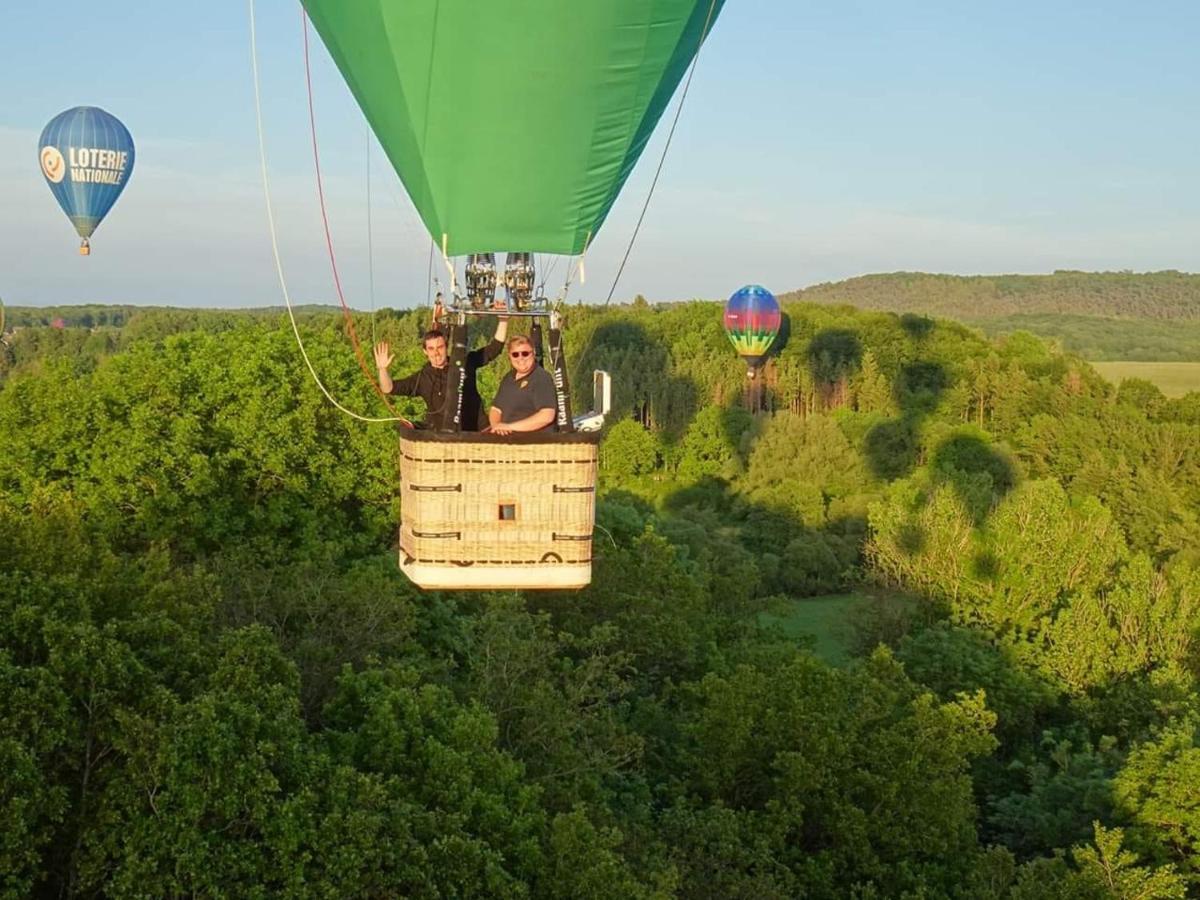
<point x="449" y="268"/>
<point x="347" y="315"/>
<point x="546" y="275"/>
<point x="667" y="146"/>
<point x="577" y="267"/>
<point x="429" y="279"/>
<point x="262" y="154"/>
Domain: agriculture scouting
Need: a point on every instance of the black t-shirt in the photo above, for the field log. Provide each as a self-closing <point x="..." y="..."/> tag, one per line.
<point x="429" y="384"/>
<point x="520" y="398"/>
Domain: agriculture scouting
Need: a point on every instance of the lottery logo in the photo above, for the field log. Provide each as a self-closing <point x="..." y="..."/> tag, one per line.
<point x="52" y="165"/>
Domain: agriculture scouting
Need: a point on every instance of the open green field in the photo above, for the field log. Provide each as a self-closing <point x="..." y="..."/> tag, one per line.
<point x="1172" y="378"/>
<point x="825" y="619"/>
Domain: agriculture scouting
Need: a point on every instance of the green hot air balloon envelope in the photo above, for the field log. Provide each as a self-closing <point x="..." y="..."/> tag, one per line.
<point x="513" y="123"/>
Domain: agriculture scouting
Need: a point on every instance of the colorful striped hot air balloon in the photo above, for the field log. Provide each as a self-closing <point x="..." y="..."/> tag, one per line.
<point x="86" y="155"/>
<point x="752" y="320"/>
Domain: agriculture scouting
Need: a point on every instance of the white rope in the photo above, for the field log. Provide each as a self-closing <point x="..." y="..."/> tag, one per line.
<point x="449" y="268"/>
<point x="606" y="531"/>
<point x="262" y="154"/>
<point x="576" y="268"/>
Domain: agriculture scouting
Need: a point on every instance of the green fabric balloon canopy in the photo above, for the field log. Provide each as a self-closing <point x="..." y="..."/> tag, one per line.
<point x="513" y="123"/>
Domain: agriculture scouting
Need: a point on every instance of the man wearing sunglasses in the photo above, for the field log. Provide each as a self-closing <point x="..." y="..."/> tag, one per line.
<point x="430" y="382"/>
<point x="526" y="400"/>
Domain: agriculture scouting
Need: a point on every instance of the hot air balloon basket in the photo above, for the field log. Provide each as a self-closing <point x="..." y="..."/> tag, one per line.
<point x="480" y="511"/>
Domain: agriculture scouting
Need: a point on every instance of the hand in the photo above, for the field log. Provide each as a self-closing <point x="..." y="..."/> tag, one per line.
<point x="439" y="310"/>
<point x="383" y="356"/>
<point x="501" y="430"/>
<point x="501" y="307"/>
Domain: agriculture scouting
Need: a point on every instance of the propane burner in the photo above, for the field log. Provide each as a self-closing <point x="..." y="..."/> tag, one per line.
<point x="519" y="280"/>
<point x="481" y="279"/>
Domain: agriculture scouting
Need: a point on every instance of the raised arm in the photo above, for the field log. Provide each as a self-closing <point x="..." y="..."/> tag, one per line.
<point x="383" y="359"/>
<point x="495" y="347"/>
<point x="502" y="322"/>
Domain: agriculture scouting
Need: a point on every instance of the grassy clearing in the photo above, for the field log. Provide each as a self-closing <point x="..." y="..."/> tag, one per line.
<point x="834" y="623"/>
<point x="826" y="620"/>
<point x="1174" y="379"/>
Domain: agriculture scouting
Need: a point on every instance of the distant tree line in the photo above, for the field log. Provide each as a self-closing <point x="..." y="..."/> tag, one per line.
<point x="1142" y="295"/>
<point x="1102" y="338"/>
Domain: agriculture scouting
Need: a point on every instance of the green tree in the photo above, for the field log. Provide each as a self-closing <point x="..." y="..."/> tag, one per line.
<point x="710" y="445"/>
<point x="1160" y="788"/>
<point x="628" y="450"/>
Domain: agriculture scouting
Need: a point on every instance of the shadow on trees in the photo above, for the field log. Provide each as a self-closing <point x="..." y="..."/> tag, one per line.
<point x="980" y="476"/>
<point x="784" y="336"/>
<point x="790" y="556"/>
<point x="637" y="364"/>
<point x="892" y="447"/>
<point x="916" y="326"/>
<point x="978" y="473"/>
<point x="834" y="354"/>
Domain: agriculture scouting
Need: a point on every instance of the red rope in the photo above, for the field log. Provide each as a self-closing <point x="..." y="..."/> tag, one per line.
<point x="337" y="281"/>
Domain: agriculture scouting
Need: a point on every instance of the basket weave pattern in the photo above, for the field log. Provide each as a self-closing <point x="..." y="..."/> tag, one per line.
<point x="496" y="504"/>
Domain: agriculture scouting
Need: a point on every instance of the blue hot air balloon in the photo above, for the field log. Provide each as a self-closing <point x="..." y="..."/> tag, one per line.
<point x="86" y="155"/>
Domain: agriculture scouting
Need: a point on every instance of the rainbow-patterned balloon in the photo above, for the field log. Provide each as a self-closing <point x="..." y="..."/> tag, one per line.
<point x="752" y="320"/>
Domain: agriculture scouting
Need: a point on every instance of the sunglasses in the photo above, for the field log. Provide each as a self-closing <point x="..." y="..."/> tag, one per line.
<point x="518" y="354"/>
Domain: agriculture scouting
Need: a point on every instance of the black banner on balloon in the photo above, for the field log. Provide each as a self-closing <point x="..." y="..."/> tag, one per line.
<point x="535" y="338"/>
<point x="456" y="371"/>
<point x="562" y="388"/>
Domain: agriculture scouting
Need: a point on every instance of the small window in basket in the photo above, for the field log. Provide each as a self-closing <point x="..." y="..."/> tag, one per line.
<point x="508" y="512"/>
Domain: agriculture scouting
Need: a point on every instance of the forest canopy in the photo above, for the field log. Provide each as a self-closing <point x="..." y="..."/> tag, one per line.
<point x="214" y="680"/>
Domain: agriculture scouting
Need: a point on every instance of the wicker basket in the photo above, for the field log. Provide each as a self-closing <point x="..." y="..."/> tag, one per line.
<point x="480" y="511"/>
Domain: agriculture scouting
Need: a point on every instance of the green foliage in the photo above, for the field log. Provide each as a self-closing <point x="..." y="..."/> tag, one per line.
<point x="1147" y="338"/>
<point x="710" y="445"/>
<point x="1149" y="295"/>
<point x="586" y="861"/>
<point x="214" y="681"/>
<point x="1102" y="871"/>
<point x="1160" y="789"/>
<point x="842" y="777"/>
<point x="1140" y="394"/>
<point x="1057" y="792"/>
<point x="629" y="450"/>
<point x="559" y="699"/>
<point x="810" y="459"/>
<point x="951" y="660"/>
<point x="203" y="431"/>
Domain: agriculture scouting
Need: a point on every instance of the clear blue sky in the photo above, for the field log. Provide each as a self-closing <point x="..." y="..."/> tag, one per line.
<point x="821" y="140"/>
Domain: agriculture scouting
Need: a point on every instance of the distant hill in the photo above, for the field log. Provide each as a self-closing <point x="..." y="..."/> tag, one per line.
<point x="1166" y="295"/>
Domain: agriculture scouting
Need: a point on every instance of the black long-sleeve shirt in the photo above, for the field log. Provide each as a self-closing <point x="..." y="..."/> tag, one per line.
<point x="430" y="385"/>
